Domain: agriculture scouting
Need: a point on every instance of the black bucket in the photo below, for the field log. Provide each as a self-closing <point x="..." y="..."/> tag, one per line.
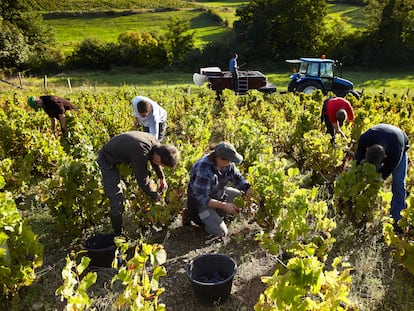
<point x="101" y="249"/>
<point x="211" y="277"/>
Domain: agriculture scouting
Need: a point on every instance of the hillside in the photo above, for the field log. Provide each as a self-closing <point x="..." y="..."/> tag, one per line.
<point x="210" y="20"/>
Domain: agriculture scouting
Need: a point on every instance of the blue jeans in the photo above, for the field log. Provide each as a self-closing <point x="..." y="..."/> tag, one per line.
<point x="398" y="188"/>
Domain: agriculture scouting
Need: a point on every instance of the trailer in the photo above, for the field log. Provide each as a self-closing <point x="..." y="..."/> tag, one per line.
<point x="218" y="80"/>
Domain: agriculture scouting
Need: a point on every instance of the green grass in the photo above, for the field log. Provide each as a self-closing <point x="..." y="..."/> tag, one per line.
<point x="351" y="14"/>
<point x="73" y="30"/>
<point x="369" y="82"/>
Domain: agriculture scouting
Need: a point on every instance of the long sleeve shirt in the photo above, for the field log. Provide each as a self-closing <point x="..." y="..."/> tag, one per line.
<point x="392" y="138"/>
<point x="54" y="105"/>
<point x="207" y="183"/>
<point x="156" y="116"/>
<point x="134" y="149"/>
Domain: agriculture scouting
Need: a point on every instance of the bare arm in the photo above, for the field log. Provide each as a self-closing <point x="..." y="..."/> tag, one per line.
<point x="230" y="208"/>
<point x="52" y="120"/>
<point x="337" y="129"/>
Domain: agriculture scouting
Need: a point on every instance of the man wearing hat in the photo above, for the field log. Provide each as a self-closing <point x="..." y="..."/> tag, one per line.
<point x="55" y="107"/>
<point x="208" y="197"/>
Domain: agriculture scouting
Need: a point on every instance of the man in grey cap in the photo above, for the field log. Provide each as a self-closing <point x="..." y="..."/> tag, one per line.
<point x="208" y="197"/>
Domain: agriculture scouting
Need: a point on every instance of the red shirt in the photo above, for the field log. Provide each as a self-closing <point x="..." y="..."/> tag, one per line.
<point x="335" y="104"/>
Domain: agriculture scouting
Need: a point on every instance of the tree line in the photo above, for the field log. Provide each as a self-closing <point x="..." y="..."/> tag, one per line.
<point x="265" y="30"/>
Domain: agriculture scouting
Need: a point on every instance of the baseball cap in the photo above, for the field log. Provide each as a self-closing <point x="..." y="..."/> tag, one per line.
<point x="227" y="151"/>
<point x="32" y="102"/>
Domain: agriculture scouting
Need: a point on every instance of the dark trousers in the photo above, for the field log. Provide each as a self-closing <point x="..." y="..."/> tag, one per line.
<point x="162" y="127"/>
<point x="328" y="124"/>
<point x="235" y="80"/>
<point x="111" y="180"/>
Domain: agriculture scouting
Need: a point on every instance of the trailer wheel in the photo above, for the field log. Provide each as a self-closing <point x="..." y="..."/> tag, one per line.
<point x="292" y="86"/>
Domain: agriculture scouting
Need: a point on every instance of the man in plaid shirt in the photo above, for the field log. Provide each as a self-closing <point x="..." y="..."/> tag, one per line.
<point x="209" y="197"/>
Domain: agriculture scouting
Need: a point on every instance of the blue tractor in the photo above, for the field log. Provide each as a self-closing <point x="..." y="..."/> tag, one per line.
<point x="318" y="74"/>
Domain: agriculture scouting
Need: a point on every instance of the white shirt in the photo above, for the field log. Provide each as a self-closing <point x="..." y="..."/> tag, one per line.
<point x="156" y="116"/>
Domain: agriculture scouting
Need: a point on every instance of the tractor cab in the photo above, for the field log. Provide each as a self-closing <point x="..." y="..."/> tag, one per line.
<point x="318" y="74"/>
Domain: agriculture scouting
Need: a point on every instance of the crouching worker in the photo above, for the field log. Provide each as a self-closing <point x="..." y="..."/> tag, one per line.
<point x="135" y="149"/>
<point x="209" y="198"/>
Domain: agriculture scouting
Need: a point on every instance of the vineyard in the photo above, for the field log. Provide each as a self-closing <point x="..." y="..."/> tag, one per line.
<point x="318" y="237"/>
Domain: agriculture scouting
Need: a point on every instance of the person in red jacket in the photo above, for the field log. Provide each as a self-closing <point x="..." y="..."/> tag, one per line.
<point x="334" y="113"/>
<point x="55" y="107"/>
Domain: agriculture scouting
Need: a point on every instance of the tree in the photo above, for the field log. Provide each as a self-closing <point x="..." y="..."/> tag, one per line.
<point x="281" y="28"/>
<point x="13" y="49"/>
<point x="23" y="35"/>
<point x="10" y="10"/>
<point x="92" y="53"/>
<point x="391" y="26"/>
<point x="141" y="49"/>
<point x="179" y="40"/>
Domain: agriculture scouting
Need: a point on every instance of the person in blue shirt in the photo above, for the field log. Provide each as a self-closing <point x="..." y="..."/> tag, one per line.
<point x="209" y="195"/>
<point x="386" y="146"/>
<point x="234" y="72"/>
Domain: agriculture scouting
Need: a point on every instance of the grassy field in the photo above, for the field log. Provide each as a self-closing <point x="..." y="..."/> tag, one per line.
<point x="352" y="15"/>
<point x="399" y="83"/>
<point x="107" y="27"/>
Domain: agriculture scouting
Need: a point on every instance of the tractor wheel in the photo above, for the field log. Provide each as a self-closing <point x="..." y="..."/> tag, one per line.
<point x="356" y="94"/>
<point x="308" y="87"/>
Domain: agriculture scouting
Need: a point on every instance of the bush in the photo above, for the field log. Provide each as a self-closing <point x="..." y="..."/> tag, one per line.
<point x="20" y="251"/>
<point x="141" y="50"/>
<point x="93" y="54"/>
<point x="49" y="60"/>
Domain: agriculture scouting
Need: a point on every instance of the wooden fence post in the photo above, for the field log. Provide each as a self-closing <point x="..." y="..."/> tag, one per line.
<point x="45" y="82"/>
<point x="20" y="80"/>
<point x="70" y="86"/>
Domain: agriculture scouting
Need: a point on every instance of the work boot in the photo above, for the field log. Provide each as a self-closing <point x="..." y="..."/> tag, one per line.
<point x="186" y="217"/>
<point x="117" y="224"/>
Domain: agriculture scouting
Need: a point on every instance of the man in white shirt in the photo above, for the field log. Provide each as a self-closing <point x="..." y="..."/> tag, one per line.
<point x="150" y="115"/>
